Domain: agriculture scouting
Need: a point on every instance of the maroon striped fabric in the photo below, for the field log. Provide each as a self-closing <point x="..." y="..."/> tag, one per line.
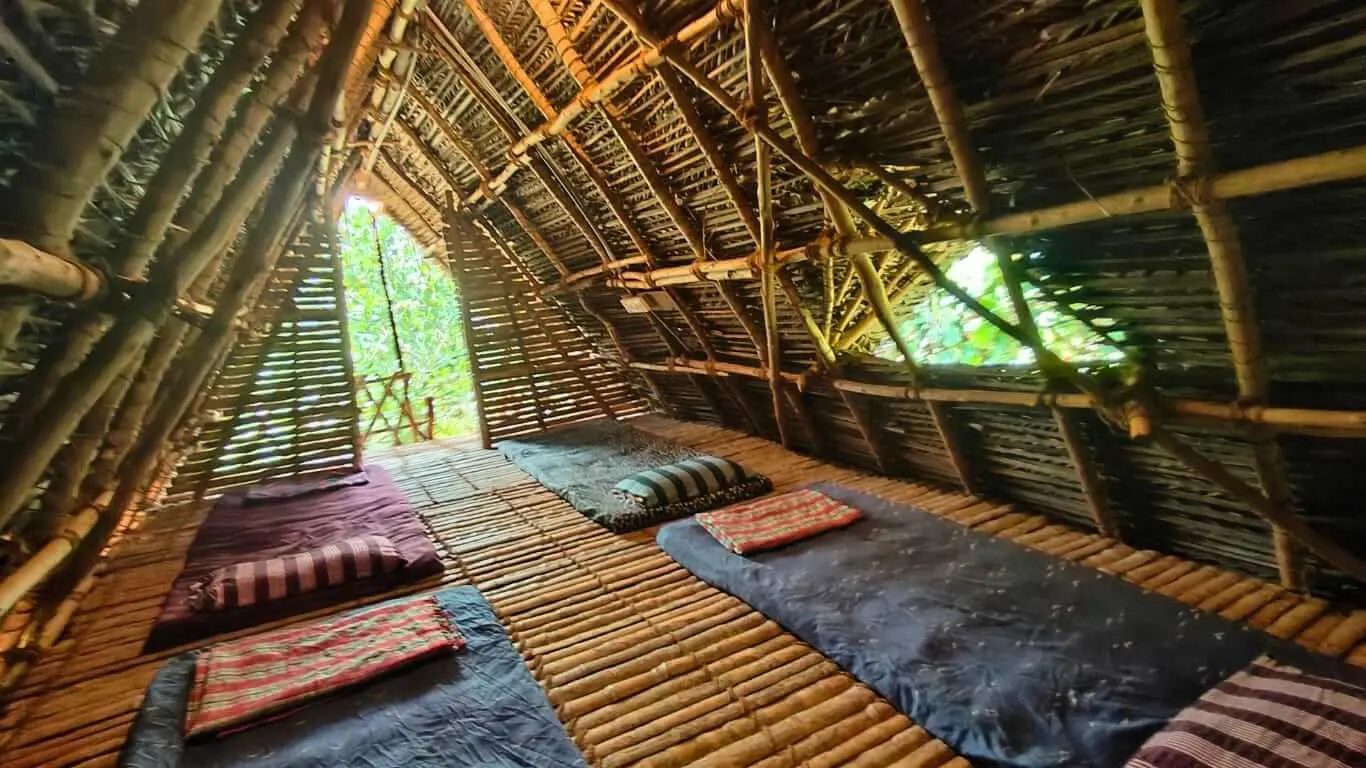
<point x="1266" y="715"/>
<point x="331" y="565"/>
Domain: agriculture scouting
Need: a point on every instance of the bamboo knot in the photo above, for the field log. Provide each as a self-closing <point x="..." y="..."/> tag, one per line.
<point x="1191" y="192"/>
<point x="730" y="11"/>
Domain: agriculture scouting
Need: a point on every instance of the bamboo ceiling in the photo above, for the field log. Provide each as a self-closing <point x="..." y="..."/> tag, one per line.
<point x="609" y="142"/>
<point x="778" y="180"/>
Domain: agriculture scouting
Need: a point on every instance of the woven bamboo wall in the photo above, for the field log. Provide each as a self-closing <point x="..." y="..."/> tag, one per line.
<point x="284" y="397"/>
<point x="533" y="368"/>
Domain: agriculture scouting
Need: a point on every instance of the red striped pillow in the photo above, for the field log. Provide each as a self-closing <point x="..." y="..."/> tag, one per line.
<point x="243" y="584"/>
<point x="1268" y="714"/>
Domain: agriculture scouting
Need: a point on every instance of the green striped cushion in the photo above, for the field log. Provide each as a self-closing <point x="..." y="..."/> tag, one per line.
<point x="681" y="481"/>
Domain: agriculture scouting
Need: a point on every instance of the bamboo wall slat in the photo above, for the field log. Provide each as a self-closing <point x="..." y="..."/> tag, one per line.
<point x="285" y="398"/>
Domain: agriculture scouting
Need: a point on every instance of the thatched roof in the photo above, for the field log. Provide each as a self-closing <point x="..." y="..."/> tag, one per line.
<point x="1186" y="178"/>
<point x="1060" y="105"/>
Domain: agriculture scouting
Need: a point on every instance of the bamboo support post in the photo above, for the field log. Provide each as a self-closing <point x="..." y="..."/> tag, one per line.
<point x="1097" y="501"/>
<point x="1195" y="162"/>
<point x="754" y="20"/>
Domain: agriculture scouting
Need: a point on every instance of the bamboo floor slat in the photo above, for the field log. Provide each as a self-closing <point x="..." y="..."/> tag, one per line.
<point x="644" y="664"/>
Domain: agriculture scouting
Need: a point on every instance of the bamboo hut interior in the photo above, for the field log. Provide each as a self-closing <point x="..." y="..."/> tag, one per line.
<point x="722" y="224"/>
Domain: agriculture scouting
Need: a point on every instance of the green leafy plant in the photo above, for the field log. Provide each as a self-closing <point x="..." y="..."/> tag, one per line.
<point x="942" y="331"/>
<point x="426" y="306"/>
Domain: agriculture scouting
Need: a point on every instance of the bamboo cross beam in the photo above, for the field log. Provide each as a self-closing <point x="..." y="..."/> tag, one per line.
<point x="642" y="62"/>
<point x="1195" y="161"/>
<point x="28" y="268"/>
<point x="1307" y="171"/>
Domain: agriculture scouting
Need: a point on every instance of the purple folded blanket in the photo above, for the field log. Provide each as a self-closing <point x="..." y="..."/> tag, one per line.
<point x="235" y="532"/>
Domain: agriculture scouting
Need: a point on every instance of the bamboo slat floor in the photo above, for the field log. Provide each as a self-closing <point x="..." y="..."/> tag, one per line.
<point x="645" y="664"/>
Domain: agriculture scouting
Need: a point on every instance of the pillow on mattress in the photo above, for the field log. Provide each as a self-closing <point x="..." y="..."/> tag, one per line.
<point x="680" y="481"/>
<point x="1266" y="714"/>
<point x="243" y="584"/>
<point x="284" y="490"/>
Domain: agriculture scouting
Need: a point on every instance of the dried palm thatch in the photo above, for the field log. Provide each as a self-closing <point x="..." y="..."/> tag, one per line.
<point x="715" y="210"/>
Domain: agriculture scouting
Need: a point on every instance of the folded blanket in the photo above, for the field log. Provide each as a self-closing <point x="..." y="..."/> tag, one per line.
<point x="1266" y="714"/>
<point x="283" y="490"/>
<point x="680" y="481"/>
<point x="777" y="520"/>
<point x="260" y="581"/>
<point x="240" y="681"/>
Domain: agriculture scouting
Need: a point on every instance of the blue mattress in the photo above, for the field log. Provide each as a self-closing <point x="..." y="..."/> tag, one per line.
<point x="476" y="707"/>
<point x="1010" y="656"/>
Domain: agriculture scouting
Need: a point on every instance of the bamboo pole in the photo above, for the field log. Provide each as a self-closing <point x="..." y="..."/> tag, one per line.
<point x="1195" y="161"/>
<point x="27" y="268"/>
<point x="332" y="243"/>
<point x="1298" y="173"/>
<point x="75" y="394"/>
<point x="754" y="19"/>
<point x="88" y="132"/>
<point x="230" y="155"/>
<point x="1296" y="420"/>
<point x="1091" y="485"/>
<point x="1324" y="546"/>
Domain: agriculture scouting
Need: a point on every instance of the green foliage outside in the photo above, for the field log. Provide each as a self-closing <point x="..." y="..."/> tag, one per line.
<point x="942" y="331"/>
<point x="427" y="311"/>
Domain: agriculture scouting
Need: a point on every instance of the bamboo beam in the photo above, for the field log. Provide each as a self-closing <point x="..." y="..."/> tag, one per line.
<point x="1195" y="161"/>
<point x="1097" y="501"/>
<point x="720" y="369"/>
<point x="754" y="20"/>
<point x="28" y="268"/>
<point x="250" y="119"/>
<point x="87" y="134"/>
<point x="1296" y="420"/>
<point x="1298" y="173"/>
<point x="642" y="62"/>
